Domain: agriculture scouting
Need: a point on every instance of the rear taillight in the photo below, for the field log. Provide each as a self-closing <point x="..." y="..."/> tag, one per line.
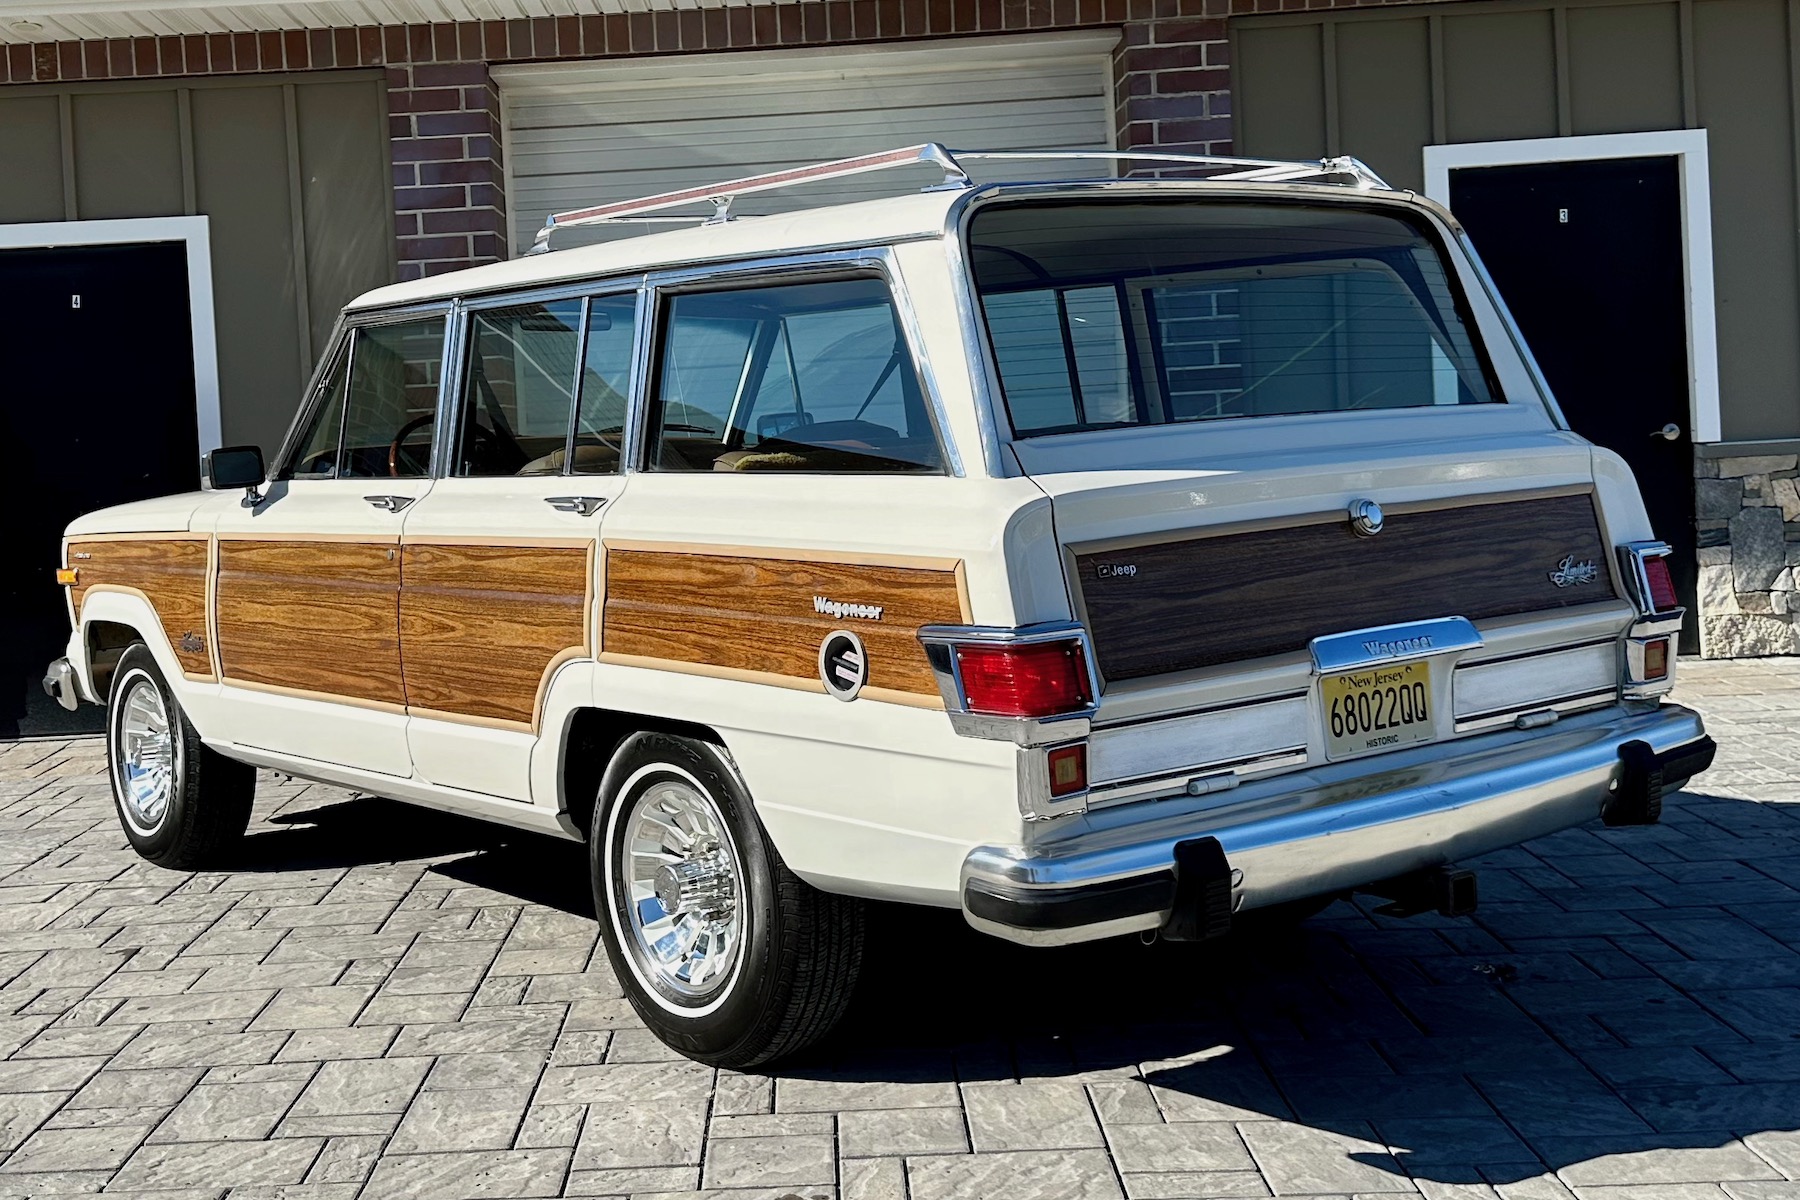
<point x="1025" y="679"/>
<point x="1662" y="588"/>
<point x="1068" y="770"/>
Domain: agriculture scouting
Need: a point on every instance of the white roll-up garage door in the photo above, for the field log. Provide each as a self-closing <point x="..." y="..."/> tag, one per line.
<point x="579" y="134"/>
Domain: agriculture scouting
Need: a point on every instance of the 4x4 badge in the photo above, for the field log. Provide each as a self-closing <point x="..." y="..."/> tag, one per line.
<point x="1570" y="573"/>
<point x="192" y="642"/>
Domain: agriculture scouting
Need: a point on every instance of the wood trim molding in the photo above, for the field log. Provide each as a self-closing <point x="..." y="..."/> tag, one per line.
<point x="168" y="573"/>
<point x="753" y="616"/>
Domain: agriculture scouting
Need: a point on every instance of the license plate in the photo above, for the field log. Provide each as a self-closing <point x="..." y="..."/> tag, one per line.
<point x="1376" y="708"/>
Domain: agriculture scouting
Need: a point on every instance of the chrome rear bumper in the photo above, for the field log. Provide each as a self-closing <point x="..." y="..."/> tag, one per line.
<point x="60" y="686"/>
<point x="1332" y="828"/>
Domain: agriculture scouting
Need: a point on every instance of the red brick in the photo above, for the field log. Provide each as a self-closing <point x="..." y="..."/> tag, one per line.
<point x="424" y="149"/>
<point x="1204" y="129"/>
<point x="459" y="220"/>
<point x="19" y="65"/>
<point x="407" y="272"/>
<point x="433" y="173"/>
<point x="518" y="38"/>
<point x="715" y="31"/>
<point x="487" y="195"/>
<point x="915" y="17"/>
<point x="493" y="40"/>
<point x="865" y="19"/>
<point x="815" y="23"/>
<point x="405" y="175"/>
<point x="940" y="15"/>
<point x="420" y="248"/>
<point x="430" y="197"/>
<point x="369" y="52"/>
<point x="1168" y="108"/>
<point x="543" y="37"/>
<point x="766" y="29"/>
<point x="444" y="44"/>
<point x="425" y="100"/>
<point x="741" y="22"/>
<point x="1171" y="32"/>
<point x="643" y="35"/>
<point x="398" y="79"/>
<point x="343" y="48"/>
<point x="48" y="60"/>
<point x="667" y="27"/>
<point x="456" y="74"/>
<point x="488" y="245"/>
<point x="447" y="124"/>
<point x="1181" y="83"/>
<point x="245" y="52"/>
<point x="400" y="125"/>
<point x="838" y="27"/>
<point x="618" y="33"/>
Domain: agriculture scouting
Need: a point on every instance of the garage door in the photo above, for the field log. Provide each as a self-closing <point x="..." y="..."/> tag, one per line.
<point x="586" y="133"/>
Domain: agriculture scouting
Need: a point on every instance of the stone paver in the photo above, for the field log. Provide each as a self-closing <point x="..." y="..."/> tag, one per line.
<point x="381" y="1001"/>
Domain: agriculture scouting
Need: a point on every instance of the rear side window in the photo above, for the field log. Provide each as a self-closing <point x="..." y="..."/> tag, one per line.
<point x="1110" y="315"/>
<point x="792" y="377"/>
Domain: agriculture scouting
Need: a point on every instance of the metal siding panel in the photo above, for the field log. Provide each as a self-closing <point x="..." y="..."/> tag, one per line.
<point x="345" y="198"/>
<point x="1384" y="96"/>
<point x="127" y="154"/>
<point x="1741" y="68"/>
<point x="587" y="143"/>
<point x="1500" y="75"/>
<point x="1280" y="100"/>
<point x="240" y="178"/>
<point x="31" y="147"/>
<point x="1625" y="68"/>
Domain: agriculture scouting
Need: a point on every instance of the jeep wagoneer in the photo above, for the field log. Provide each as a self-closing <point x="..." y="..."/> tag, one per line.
<point x="1097" y="557"/>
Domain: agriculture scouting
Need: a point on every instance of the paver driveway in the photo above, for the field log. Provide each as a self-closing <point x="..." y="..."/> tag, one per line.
<point x="381" y="1001"/>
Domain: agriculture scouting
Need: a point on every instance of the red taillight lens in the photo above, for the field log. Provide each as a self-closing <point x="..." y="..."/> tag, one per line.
<point x="1068" y="770"/>
<point x="1036" y="679"/>
<point x="1662" y="588"/>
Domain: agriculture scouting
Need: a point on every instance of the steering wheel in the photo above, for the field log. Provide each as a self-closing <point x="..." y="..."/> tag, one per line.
<point x="406" y="431"/>
<point x="477" y="433"/>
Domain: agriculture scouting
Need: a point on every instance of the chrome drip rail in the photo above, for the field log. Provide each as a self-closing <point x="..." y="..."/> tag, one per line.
<point x="1341" y="170"/>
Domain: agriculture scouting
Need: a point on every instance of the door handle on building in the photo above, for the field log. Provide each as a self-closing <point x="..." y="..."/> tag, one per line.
<point x="585" y="506"/>
<point x="1668" y="433"/>
<point x="392" y="503"/>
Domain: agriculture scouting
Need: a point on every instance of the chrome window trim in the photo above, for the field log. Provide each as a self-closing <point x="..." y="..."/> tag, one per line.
<point x="464" y="312"/>
<point x="776" y="271"/>
<point x="450" y="372"/>
<point x="336" y="344"/>
<point x="940" y="642"/>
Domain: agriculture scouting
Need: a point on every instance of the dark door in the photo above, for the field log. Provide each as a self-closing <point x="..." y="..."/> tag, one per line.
<point x="96" y="408"/>
<point x="1588" y="255"/>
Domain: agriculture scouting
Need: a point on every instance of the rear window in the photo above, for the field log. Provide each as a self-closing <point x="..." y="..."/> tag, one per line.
<point x="1110" y="315"/>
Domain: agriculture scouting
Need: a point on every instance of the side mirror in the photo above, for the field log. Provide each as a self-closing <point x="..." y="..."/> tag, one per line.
<point x="234" y="467"/>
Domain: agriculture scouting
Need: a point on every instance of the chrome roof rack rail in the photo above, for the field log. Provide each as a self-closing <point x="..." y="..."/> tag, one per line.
<point x="720" y="195"/>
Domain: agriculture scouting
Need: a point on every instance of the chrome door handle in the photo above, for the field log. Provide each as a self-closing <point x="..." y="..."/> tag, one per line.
<point x="392" y="503"/>
<point x="1668" y="433"/>
<point x="585" y="506"/>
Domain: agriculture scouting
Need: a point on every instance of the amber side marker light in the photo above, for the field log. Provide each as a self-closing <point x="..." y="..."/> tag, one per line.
<point x="1068" y="770"/>
<point x="66" y="576"/>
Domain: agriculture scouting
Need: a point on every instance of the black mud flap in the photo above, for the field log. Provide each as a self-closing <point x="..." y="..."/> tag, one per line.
<point x="1645" y="777"/>
<point x="1202" y="892"/>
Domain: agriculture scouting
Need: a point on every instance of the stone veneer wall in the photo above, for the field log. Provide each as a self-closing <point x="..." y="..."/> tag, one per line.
<point x="1749" y="533"/>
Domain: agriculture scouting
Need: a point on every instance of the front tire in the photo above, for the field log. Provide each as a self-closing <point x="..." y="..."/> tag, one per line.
<point x="725" y="954"/>
<point x="179" y="801"/>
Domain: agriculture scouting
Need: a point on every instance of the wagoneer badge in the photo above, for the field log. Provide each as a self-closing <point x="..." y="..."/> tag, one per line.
<point x="825" y="606"/>
<point x="843" y="664"/>
<point x="1570" y="573"/>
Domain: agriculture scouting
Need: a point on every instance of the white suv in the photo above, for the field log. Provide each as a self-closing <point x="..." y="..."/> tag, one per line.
<point x="1096" y="557"/>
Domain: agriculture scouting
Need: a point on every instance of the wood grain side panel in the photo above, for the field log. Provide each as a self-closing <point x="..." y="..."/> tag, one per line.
<point x="171" y="574"/>
<point x="480" y="625"/>
<point x="757" y="614"/>
<point x="1207" y="600"/>
<point x="311" y="615"/>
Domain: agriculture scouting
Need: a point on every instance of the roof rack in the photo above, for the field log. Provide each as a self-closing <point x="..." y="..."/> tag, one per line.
<point x="1342" y="170"/>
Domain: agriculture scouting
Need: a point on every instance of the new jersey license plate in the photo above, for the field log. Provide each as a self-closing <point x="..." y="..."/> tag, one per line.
<point x="1376" y="708"/>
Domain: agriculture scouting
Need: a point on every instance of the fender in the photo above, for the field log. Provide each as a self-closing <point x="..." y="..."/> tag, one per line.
<point x="120" y="605"/>
<point x="571" y="689"/>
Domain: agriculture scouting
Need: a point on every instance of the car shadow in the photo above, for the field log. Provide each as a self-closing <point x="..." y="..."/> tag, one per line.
<point x="1619" y="992"/>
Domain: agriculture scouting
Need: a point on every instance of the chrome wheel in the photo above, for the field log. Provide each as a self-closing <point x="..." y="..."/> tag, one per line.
<point x="683" y="890"/>
<point x="144" y="755"/>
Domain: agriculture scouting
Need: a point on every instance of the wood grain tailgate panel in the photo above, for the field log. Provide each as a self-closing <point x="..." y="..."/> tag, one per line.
<point x="313" y="616"/>
<point x="482" y="624"/>
<point x="756" y="614"/>
<point x="170" y="572"/>
<point x="1200" y="601"/>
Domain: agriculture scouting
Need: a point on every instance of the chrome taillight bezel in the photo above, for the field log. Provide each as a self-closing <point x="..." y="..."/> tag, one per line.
<point x="1632" y="556"/>
<point x="1651" y="626"/>
<point x="941" y="641"/>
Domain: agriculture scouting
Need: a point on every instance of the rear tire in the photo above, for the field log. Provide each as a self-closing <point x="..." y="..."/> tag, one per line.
<point x="726" y="955"/>
<point x="179" y="802"/>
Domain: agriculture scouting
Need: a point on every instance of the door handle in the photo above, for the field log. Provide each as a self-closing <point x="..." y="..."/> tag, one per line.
<point x="393" y="504"/>
<point x="1669" y="433"/>
<point x="585" y="506"/>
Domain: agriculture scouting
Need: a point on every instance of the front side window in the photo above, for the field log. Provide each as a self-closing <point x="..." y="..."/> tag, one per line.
<point x="790" y="377"/>
<point x="392" y="402"/>
<point x="316" y="450"/>
<point x="1110" y="315"/>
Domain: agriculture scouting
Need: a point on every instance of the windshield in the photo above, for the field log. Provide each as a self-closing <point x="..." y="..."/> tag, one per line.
<point x="1104" y="315"/>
